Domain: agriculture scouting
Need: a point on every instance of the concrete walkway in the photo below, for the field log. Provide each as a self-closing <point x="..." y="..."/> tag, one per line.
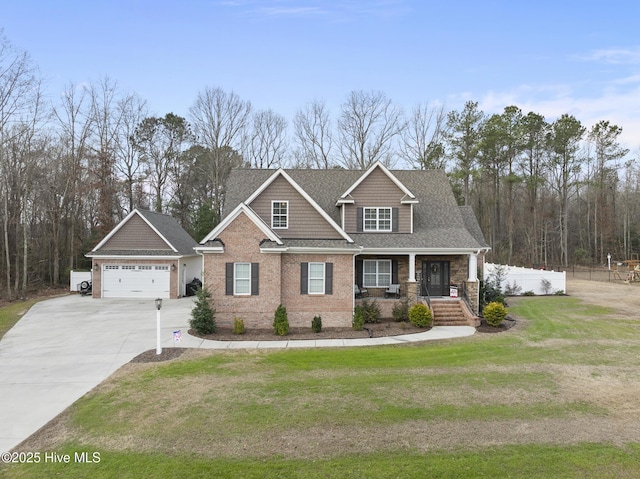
<point x="64" y="347"/>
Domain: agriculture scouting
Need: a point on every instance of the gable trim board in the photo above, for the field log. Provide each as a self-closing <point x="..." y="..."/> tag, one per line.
<point x="304" y="194"/>
<point x="124" y="222"/>
<point x="410" y="197"/>
<point x="241" y="208"/>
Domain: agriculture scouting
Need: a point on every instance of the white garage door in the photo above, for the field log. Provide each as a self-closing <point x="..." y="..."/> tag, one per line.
<point x="135" y="281"/>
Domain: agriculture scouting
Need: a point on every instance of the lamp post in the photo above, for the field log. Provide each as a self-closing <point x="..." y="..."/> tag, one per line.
<point x="158" y="307"/>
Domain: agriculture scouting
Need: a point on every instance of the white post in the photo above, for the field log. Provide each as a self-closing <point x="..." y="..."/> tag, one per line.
<point x="609" y="260"/>
<point x="158" y="307"/>
<point x="158" y="346"/>
<point x="412" y="267"/>
<point x="473" y="267"/>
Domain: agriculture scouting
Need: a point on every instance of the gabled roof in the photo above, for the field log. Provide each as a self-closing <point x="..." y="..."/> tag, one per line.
<point x="438" y="222"/>
<point x="390" y="175"/>
<point x="304" y="194"/>
<point x="178" y="241"/>
<point x="242" y="208"/>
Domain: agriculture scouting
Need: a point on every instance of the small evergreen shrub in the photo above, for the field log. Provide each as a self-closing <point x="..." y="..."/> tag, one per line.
<point x="238" y="326"/>
<point x="420" y="315"/>
<point x="400" y="311"/>
<point x="528" y="293"/>
<point x="203" y="313"/>
<point x="559" y="293"/>
<point x="281" y="321"/>
<point x="512" y="289"/>
<point x="316" y="324"/>
<point x="358" y="318"/>
<point x="494" y="313"/>
<point x="371" y="311"/>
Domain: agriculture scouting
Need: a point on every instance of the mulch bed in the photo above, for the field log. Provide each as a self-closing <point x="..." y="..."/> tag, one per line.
<point x="376" y="330"/>
<point x="507" y="324"/>
<point x="151" y="356"/>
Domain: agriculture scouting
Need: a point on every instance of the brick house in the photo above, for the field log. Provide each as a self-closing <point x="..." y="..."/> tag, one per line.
<point x="317" y="240"/>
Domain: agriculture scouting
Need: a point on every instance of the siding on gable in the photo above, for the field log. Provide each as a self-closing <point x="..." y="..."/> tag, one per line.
<point x="377" y="190"/>
<point x="304" y="221"/>
<point x="135" y="234"/>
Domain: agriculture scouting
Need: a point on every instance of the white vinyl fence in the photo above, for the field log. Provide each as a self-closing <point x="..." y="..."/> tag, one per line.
<point x="78" y="277"/>
<point x="539" y="281"/>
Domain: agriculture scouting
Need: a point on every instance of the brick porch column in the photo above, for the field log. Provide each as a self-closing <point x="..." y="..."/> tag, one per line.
<point x="412" y="291"/>
<point x="473" y="294"/>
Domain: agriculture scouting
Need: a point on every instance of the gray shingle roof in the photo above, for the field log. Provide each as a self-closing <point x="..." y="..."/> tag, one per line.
<point x="172" y="231"/>
<point x="438" y="220"/>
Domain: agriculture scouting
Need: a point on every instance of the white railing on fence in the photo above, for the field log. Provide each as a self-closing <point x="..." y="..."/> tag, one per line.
<point x="78" y="277"/>
<point x="540" y="281"/>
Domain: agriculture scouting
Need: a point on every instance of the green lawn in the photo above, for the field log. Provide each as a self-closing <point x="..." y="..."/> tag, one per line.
<point x="11" y="313"/>
<point x="449" y="408"/>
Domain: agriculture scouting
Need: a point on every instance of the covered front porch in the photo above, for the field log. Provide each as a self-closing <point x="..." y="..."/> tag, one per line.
<point x="388" y="278"/>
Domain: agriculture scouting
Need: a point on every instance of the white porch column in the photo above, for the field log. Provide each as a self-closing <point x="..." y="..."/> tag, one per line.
<point x="473" y="267"/>
<point x="412" y="267"/>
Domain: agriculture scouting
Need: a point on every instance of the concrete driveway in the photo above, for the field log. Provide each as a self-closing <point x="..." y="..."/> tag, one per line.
<point x="64" y="347"/>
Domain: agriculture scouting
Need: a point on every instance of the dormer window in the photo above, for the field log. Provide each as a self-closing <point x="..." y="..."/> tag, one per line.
<point x="376" y="219"/>
<point x="279" y="214"/>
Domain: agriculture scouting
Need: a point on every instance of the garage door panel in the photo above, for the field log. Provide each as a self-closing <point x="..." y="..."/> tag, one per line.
<point x="135" y="281"/>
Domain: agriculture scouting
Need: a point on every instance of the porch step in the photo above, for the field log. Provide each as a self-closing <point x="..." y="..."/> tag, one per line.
<point x="449" y="312"/>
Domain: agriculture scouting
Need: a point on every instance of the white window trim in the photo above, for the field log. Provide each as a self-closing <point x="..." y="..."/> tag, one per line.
<point x="323" y="278"/>
<point x="235" y="280"/>
<point x="273" y="202"/>
<point x="377" y="228"/>
<point x="377" y="262"/>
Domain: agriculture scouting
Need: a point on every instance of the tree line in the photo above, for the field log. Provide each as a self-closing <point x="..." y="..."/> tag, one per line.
<point x="545" y="192"/>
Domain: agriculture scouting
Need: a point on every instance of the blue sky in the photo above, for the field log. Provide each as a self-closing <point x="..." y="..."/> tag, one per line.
<point x="551" y="57"/>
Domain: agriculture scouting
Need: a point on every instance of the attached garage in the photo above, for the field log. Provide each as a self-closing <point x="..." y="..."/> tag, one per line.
<point x="135" y="281"/>
<point x="147" y="255"/>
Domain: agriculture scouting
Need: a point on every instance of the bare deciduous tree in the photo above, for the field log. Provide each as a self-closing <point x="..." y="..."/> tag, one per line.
<point x="313" y="135"/>
<point x="423" y="138"/>
<point x="368" y="124"/>
<point x="267" y="143"/>
<point x="219" y="121"/>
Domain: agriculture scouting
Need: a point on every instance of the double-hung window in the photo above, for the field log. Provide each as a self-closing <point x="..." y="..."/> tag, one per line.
<point x="377" y="219"/>
<point x="242" y="278"/>
<point x="279" y="214"/>
<point x="376" y="273"/>
<point x="316" y="278"/>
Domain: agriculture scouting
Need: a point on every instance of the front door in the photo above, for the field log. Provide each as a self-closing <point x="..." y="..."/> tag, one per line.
<point x="435" y="277"/>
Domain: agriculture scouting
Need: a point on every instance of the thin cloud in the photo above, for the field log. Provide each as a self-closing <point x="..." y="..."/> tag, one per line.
<point x="615" y="56"/>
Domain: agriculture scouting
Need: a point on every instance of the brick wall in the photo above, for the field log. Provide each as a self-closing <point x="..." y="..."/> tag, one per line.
<point x="242" y="244"/>
<point x="336" y="309"/>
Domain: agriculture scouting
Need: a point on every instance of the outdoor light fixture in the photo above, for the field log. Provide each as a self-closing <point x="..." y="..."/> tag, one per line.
<point x="158" y="307"/>
<point x="173" y="267"/>
<point x="96" y="266"/>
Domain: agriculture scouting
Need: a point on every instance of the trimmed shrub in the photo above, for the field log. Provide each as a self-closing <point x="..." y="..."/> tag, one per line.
<point x="528" y="293"/>
<point x="400" y="311"/>
<point x="238" y="326"/>
<point x="203" y="313"/>
<point x="559" y="293"/>
<point x="371" y="311"/>
<point x="420" y="315"/>
<point x="281" y="321"/>
<point x="494" y="313"/>
<point x="316" y="324"/>
<point x="358" y="318"/>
